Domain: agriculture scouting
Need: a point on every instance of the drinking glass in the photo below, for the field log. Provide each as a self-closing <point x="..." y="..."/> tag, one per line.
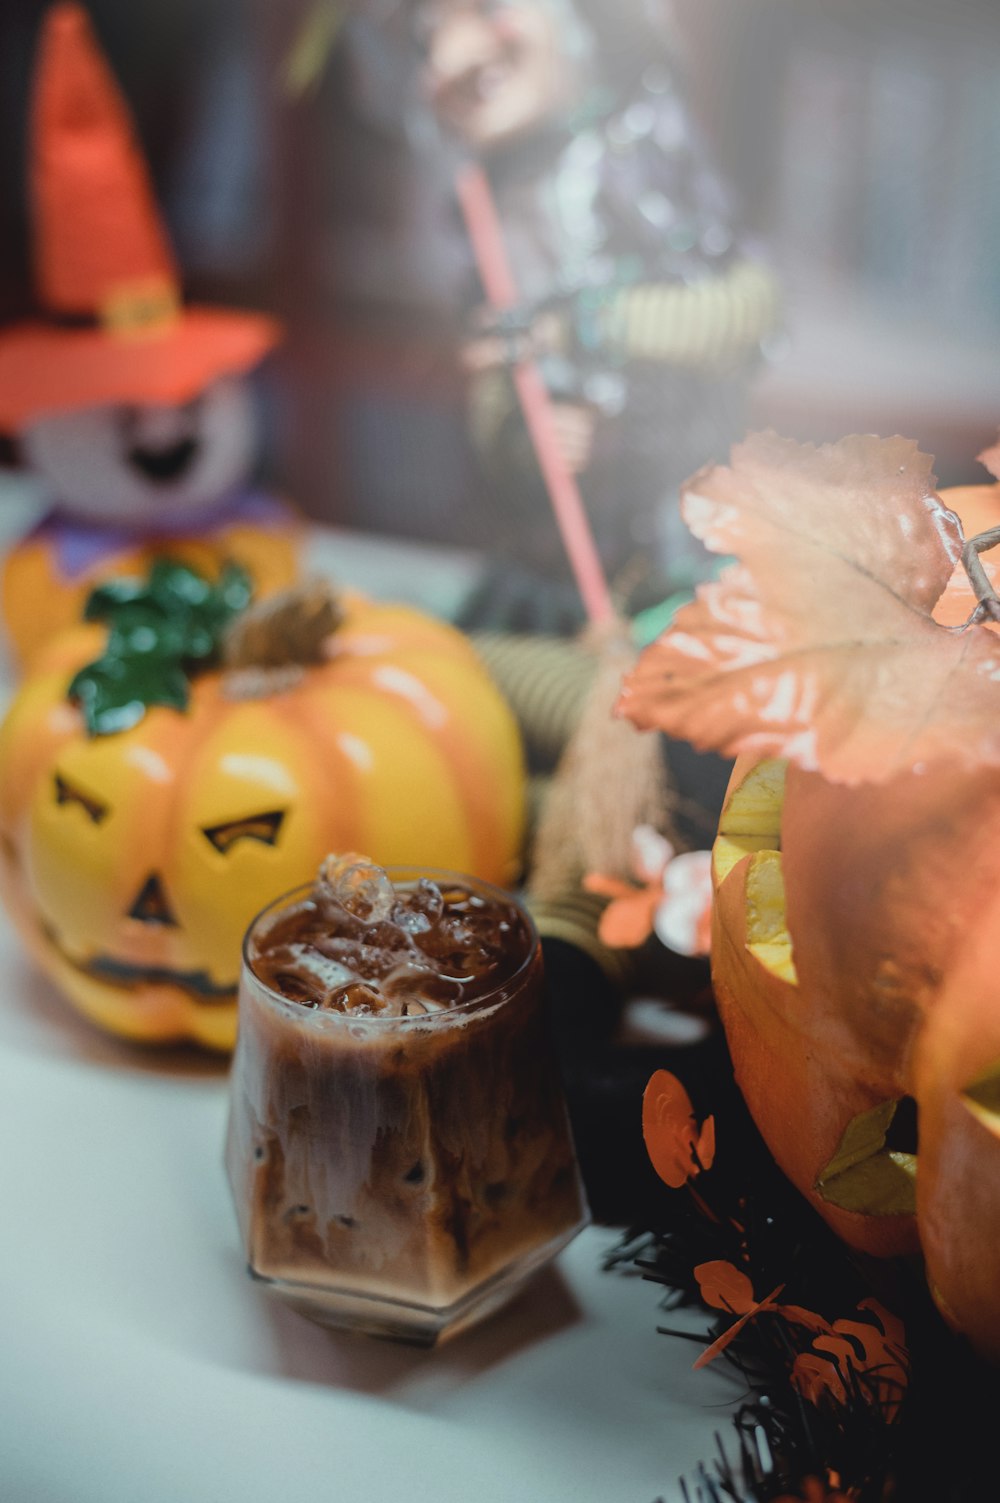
<point x="401" y="1176"/>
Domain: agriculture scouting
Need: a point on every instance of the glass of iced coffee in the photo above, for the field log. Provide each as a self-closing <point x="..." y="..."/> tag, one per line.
<point x="398" y="1144"/>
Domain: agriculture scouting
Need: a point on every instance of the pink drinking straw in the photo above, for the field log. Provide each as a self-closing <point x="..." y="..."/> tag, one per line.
<point x="483" y="225"/>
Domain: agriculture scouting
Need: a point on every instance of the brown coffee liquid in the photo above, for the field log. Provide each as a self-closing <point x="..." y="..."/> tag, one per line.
<point x="398" y="1123"/>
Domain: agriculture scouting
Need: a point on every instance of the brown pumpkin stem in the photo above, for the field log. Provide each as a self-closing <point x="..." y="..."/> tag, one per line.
<point x="989" y="601"/>
<point x="286" y="630"/>
<point x="269" y="647"/>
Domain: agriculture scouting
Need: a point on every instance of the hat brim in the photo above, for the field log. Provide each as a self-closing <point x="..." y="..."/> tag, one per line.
<point x="45" y="368"/>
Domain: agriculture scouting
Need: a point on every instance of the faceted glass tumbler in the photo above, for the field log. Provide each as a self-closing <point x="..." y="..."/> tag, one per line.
<point x="400" y="1176"/>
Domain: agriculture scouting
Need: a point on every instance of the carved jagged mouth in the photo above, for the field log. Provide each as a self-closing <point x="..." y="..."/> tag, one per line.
<point x="119" y="973"/>
<point x="122" y="973"/>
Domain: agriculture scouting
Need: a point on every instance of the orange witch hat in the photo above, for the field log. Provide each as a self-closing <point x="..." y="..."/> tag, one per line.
<point x="104" y="269"/>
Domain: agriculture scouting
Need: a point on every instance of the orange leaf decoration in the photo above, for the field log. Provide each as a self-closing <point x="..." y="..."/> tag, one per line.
<point x="815" y="1377"/>
<point x="895" y="1331"/>
<point x="808" y="1319"/>
<point x="815" y="1490"/>
<point x="876" y="1351"/>
<point x="721" y="1342"/>
<point x="724" y="1287"/>
<point x="841" y="1351"/>
<point x="883" y="1355"/>
<point x="820" y="645"/>
<point x="670" y="1132"/>
<point x="705" y="1146"/>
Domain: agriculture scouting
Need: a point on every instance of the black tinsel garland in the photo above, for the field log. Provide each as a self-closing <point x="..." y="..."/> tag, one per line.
<point x="933" y="1440"/>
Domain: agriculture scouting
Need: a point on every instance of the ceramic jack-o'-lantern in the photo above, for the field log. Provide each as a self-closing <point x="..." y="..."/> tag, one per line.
<point x="149" y="809"/>
<point x="132" y="411"/>
<point x="856" y="928"/>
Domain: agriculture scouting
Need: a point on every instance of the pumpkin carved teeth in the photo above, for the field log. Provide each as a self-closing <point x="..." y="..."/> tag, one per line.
<point x="127" y="976"/>
<point x="121" y="973"/>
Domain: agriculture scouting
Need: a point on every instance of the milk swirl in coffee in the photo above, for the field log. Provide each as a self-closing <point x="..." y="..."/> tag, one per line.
<point x="398" y="1143"/>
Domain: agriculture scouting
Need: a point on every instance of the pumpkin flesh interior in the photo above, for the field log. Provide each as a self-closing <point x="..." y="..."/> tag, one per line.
<point x="751" y="819"/>
<point x="768" y="939"/>
<point x="750" y="825"/>
<point x="864" y="1175"/>
<point x="982" y="1099"/>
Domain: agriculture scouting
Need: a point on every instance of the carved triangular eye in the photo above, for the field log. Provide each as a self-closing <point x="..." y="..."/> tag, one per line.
<point x="262" y="827"/>
<point x="67" y="794"/>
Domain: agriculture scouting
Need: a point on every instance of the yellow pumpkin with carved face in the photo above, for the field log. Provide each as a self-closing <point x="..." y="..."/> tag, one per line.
<point x="132" y="862"/>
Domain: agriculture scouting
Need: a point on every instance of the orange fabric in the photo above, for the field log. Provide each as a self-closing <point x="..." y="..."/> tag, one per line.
<point x="47" y="369"/>
<point x="97" y="227"/>
<point x="101" y="251"/>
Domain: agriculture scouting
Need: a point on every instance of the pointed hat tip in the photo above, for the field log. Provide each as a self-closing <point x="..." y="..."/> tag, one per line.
<point x="98" y="231"/>
<point x="67" y="17"/>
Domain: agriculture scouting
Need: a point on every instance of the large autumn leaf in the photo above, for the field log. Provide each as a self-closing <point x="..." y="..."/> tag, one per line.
<point x="820" y="644"/>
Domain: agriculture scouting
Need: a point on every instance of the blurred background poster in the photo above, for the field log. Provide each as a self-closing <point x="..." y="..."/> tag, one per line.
<point x="721" y="213"/>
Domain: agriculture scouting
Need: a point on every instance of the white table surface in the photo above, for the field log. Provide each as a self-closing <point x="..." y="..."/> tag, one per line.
<point x="138" y="1362"/>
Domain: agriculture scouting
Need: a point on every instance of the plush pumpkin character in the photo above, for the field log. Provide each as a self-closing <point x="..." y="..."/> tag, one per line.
<point x="146" y="815"/>
<point x="132" y="409"/>
<point x="855" y="928"/>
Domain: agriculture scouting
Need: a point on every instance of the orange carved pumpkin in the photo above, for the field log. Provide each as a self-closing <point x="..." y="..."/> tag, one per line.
<point x="854" y="962"/>
<point x="856" y="916"/>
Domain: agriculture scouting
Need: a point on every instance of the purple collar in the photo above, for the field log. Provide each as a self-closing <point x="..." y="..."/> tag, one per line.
<point x="80" y="545"/>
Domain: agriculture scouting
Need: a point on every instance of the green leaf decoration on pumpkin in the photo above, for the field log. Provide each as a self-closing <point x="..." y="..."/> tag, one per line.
<point x="161" y="630"/>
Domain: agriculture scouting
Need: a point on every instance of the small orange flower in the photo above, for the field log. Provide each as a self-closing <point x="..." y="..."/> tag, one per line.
<point x="627" y="922"/>
<point x="674" y="900"/>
